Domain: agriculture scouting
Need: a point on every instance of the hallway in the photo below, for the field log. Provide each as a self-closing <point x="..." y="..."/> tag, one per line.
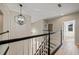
<point x="38" y="21"/>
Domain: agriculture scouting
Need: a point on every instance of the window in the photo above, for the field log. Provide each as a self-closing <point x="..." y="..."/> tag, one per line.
<point x="70" y="27"/>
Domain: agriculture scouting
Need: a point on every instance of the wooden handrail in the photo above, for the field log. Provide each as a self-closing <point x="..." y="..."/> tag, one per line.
<point x="4" y="32"/>
<point x="23" y="38"/>
<point x="29" y="37"/>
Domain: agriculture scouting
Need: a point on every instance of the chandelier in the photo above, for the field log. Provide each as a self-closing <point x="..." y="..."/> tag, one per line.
<point x="20" y="18"/>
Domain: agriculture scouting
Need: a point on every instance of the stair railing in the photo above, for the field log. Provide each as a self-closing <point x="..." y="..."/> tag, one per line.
<point x="42" y="45"/>
<point x="4" y="32"/>
<point x="30" y="37"/>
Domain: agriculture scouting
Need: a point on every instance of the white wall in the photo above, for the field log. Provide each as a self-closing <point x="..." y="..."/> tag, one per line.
<point x="1" y="25"/>
<point x="16" y="31"/>
<point x="37" y="28"/>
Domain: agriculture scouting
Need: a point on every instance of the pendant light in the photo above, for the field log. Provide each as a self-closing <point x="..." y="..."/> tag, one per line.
<point x="20" y="18"/>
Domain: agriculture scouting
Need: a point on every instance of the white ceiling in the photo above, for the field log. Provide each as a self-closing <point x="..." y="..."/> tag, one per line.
<point x="39" y="11"/>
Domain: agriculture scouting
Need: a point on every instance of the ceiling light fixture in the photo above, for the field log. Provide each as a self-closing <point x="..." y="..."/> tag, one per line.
<point x="60" y="10"/>
<point x="20" y="18"/>
<point x="59" y="5"/>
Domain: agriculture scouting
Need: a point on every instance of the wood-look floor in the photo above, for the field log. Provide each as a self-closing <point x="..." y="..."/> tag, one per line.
<point x="68" y="47"/>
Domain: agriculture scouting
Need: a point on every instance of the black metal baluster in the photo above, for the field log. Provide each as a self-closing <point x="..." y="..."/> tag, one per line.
<point x="61" y="38"/>
<point x="49" y="43"/>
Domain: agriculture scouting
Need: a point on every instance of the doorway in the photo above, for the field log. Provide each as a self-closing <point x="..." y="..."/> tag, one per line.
<point x="69" y="46"/>
<point x="69" y="30"/>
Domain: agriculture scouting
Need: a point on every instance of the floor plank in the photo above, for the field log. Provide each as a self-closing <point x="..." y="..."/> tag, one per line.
<point x="68" y="47"/>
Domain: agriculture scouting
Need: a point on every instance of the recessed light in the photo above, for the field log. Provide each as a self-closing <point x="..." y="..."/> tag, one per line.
<point x="59" y="5"/>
